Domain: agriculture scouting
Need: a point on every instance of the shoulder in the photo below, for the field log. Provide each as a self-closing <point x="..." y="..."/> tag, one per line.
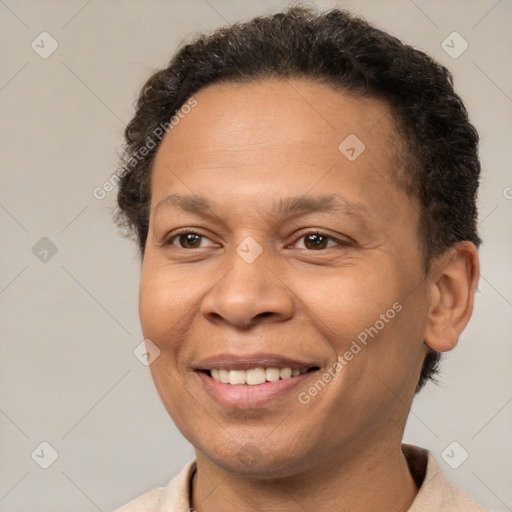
<point x="459" y="499"/>
<point x="175" y="496"/>
<point x="435" y="493"/>
<point x="148" y="502"/>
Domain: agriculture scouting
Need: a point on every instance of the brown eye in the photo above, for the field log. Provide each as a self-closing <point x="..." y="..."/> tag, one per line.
<point x="187" y="240"/>
<point x="317" y="241"/>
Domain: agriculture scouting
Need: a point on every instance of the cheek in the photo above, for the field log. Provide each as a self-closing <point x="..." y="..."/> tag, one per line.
<point x="153" y="305"/>
<point x="172" y="391"/>
<point x="158" y="313"/>
<point x="169" y="300"/>
<point x="163" y="317"/>
<point x="375" y="326"/>
<point x="394" y="356"/>
<point x="164" y="298"/>
<point x="348" y="302"/>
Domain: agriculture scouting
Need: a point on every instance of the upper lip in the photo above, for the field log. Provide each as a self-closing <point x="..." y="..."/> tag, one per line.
<point x="246" y="362"/>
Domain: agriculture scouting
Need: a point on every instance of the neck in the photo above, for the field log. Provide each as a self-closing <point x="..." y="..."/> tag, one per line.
<point x="372" y="480"/>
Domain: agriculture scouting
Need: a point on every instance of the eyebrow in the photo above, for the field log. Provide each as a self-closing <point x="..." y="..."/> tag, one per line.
<point x="298" y="205"/>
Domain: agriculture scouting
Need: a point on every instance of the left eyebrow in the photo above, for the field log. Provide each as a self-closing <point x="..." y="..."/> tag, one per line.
<point x="312" y="204"/>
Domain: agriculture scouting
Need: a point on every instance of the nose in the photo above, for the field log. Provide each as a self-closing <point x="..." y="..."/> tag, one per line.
<point x="247" y="295"/>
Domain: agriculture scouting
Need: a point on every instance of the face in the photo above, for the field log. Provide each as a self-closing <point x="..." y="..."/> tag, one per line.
<point x="283" y="258"/>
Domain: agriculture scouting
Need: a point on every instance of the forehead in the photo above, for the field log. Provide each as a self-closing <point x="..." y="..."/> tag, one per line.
<point x="291" y="112"/>
<point x="271" y="138"/>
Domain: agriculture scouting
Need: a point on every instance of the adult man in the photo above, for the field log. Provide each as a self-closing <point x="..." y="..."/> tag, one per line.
<point x="307" y="226"/>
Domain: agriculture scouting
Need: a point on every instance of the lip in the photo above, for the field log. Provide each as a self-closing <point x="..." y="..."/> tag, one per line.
<point x="245" y="397"/>
<point x="247" y="362"/>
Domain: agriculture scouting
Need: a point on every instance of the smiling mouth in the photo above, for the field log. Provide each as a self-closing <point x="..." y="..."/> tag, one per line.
<point x="255" y="376"/>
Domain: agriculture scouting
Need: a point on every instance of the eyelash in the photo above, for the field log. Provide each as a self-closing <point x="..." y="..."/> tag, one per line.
<point x="185" y="231"/>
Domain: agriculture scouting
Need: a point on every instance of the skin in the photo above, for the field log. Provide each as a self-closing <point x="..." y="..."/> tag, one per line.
<point x="243" y="148"/>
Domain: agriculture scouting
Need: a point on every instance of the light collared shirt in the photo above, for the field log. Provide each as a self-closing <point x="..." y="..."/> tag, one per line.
<point x="435" y="494"/>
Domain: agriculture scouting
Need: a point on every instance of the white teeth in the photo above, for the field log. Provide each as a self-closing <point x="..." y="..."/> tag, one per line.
<point x="272" y="374"/>
<point x="285" y="373"/>
<point x="254" y="376"/>
<point x="237" y="376"/>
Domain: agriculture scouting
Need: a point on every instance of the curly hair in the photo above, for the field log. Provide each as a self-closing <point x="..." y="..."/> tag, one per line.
<point x="439" y="146"/>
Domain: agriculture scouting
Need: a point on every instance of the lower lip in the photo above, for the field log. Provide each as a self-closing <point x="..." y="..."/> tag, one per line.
<point x="250" y="397"/>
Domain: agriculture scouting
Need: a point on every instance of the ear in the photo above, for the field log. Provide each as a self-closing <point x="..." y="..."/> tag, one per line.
<point x="452" y="284"/>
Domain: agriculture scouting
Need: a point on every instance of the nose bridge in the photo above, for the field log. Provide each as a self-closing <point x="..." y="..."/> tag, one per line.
<point x="250" y="291"/>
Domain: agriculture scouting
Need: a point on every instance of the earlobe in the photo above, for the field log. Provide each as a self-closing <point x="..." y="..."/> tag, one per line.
<point x="453" y="280"/>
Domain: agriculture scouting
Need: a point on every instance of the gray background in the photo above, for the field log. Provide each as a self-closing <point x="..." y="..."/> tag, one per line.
<point x="69" y="325"/>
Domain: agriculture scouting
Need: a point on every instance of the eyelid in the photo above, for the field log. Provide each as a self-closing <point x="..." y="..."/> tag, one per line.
<point x="298" y="236"/>
<point x="168" y="240"/>
<point x="339" y="240"/>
